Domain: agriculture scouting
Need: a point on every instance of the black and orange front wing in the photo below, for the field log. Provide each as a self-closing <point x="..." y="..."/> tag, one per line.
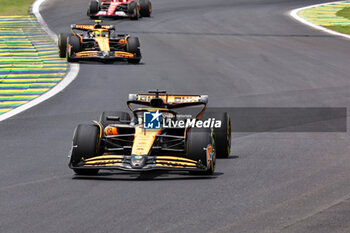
<point x="124" y="162"/>
<point x="103" y="55"/>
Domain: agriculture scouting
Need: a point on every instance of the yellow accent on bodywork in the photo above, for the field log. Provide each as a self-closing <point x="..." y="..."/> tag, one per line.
<point x="105" y="157"/>
<point x="176" y="158"/>
<point x="86" y="54"/>
<point x="174" y="166"/>
<point x="102" y="162"/>
<point x="103" y="43"/>
<point x="176" y="163"/>
<point x="123" y="54"/>
<point x="103" y="165"/>
<point x="144" y="139"/>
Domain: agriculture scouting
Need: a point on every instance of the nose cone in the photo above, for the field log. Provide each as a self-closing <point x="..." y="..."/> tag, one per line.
<point x="138" y="161"/>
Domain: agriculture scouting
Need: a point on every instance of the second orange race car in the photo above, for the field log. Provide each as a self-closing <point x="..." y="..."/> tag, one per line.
<point x="98" y="42"/>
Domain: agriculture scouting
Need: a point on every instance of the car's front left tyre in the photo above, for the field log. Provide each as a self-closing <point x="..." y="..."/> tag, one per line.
<point x="222" y="134"/>
<point x="74" y="47"/>
<point x="200" y="146"/>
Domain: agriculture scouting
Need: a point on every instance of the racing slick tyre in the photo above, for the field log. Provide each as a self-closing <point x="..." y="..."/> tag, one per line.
<point x="200" y="146"/>
<point x="75" y="46"/>
<point x="86" y="142"/>
<point x="145" y="8"/>
<point x="123" y="116"/>
<point x="93" y="9"/>
<point x="222" y="134"/>
<point x="74" y="42"/>
<point x="134" y="10"/>
<point x="68" y="56"/>
<point x="62" y="44"/>
<point x="133" y="46"/>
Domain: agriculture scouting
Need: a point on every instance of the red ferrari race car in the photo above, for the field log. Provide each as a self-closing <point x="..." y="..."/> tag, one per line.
<point x="133" y="9"/>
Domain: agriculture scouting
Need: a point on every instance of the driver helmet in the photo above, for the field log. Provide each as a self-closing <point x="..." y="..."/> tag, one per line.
<point x="97" y="33"/>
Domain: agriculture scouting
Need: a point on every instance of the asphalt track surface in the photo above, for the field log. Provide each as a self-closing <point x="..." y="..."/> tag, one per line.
<point x="242" y="53"/>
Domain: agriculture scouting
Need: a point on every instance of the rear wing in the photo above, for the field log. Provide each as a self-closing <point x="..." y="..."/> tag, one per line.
<point x="159" y="99"/>
<point x="169" y="99"/>
<point x="87" y="27"/>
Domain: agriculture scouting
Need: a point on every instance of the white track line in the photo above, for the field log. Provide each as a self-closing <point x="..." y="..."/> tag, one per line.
<point x="294" y="14"/>
<point x="70" y="76"/>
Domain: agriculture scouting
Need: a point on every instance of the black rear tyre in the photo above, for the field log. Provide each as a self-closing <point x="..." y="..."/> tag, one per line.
<point x="222" y="134"/>
<point x="199" y="145"/>
<point x="133" y="9"/>
<point x="93" y="9"/>
<point x="123" y="116"/>
<point x="145" y="8"/>
<point x="86" y="142"/>
<point x="133" y="47"/>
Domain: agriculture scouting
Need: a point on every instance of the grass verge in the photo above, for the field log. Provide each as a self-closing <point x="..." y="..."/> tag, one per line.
<point x="342" y="29"/>
<point x="344" y="13"/>
<point x="15" y="7"/>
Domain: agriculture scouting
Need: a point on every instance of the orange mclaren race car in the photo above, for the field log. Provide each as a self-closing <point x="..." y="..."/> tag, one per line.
<point x="154" y="137"/>
<point x="98" y="42"/>
<point x="120" y="8"/>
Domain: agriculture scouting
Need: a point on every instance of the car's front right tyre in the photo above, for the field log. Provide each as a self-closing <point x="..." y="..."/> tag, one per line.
<point x="133" y="46"/>
<point x="62" y="44"/>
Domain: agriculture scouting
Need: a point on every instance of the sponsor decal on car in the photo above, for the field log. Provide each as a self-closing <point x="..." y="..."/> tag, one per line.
<point x="151" y="120"/>
<point x="156" y="120"/>
<point x="209" y="123"/>
<point x="120" y="13"/>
